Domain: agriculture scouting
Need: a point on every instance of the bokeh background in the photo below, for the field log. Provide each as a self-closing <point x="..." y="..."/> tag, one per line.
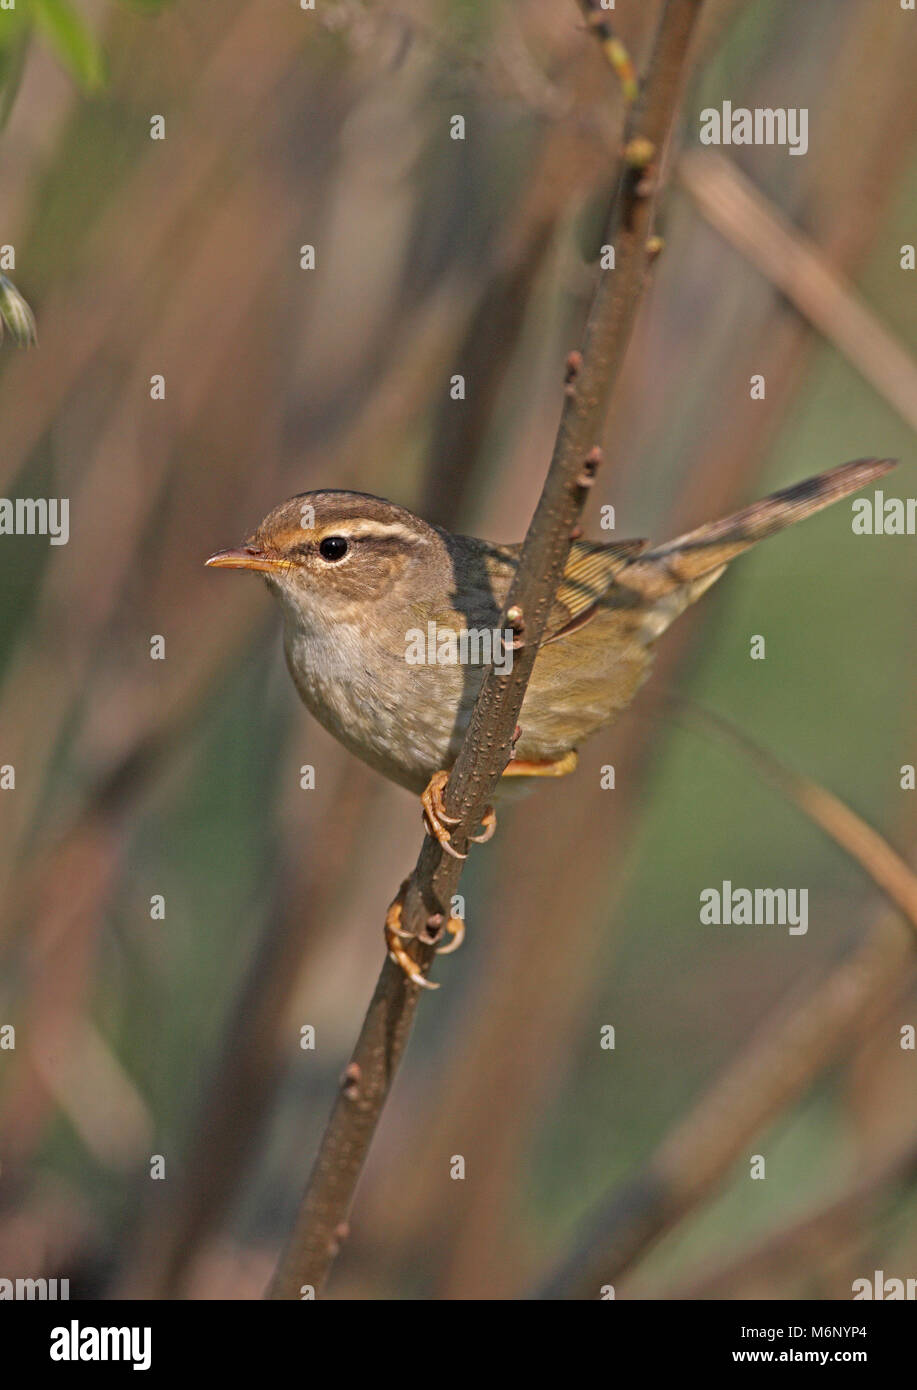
<point x="180" y="1037"/>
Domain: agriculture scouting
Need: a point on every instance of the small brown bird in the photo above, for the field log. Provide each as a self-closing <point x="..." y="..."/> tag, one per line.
<point x="361" y="581"/>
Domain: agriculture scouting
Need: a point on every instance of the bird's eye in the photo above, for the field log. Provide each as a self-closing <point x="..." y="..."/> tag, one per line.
<point x="333" y="548"/>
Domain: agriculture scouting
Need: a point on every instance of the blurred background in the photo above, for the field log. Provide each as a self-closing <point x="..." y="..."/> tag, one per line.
<point x="139" y="1034"/>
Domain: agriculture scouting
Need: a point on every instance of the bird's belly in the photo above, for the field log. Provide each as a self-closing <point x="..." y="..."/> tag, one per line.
<point x="405" y="721"/>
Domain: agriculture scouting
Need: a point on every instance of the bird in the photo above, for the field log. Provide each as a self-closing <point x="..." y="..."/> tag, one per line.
<point x="359" y="578"/>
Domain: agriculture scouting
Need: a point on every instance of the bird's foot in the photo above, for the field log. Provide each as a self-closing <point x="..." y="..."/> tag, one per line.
<point x="395" y="934"/>
<point x="437" y="819"/>
<point x="435" y="816"/>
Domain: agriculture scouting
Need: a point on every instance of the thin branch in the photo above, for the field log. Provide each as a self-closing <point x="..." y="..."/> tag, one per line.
<point x="321" y="1221"/>
<point x="614" y="50"/>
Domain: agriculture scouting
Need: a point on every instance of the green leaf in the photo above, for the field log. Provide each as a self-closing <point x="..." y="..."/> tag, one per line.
<point x="72" y="41"/>
<point x="12" y="66"/>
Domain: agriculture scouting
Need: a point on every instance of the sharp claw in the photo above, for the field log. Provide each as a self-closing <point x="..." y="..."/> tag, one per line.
<point x="454" y="852"/>
<point x="402" y="959"/>
<point x="440" y="834"/>
<point x="489" y="823"/>
<point x="456" y="927"/>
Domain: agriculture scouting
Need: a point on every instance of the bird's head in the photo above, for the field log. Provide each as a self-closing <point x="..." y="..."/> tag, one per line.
<point x="335" y="556"/>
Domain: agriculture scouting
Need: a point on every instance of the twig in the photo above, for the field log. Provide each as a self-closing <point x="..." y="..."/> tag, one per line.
<point x="320" y="1223"/>
<point x="612" y="47"/>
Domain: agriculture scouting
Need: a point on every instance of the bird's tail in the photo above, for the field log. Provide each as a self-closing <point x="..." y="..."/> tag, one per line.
<point x="698" y="558"/>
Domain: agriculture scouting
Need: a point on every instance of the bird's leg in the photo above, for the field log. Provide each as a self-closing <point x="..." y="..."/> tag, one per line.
<point x="559" y="767"/>
<point x="395" y="934"/>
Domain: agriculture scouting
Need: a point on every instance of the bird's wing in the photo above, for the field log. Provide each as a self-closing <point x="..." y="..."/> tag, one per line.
<point x="587" y="576"/>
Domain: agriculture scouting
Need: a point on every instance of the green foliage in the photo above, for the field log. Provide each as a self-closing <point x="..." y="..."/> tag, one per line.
<point x="72" y="41"/>
<point x="14" y="45"/>
<point x="65" y="31"/>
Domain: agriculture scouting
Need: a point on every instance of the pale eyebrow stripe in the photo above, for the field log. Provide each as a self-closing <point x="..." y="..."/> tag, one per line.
<point x="371" y="530"/>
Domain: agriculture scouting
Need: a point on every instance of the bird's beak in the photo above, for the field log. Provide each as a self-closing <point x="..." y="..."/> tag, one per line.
<point x="247" y="557"/>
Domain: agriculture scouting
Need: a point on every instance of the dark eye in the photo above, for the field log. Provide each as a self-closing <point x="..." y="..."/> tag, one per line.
<point x="333" y="548"/>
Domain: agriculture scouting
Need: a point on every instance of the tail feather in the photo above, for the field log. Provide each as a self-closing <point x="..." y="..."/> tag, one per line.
<point x="698" y="553"/>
